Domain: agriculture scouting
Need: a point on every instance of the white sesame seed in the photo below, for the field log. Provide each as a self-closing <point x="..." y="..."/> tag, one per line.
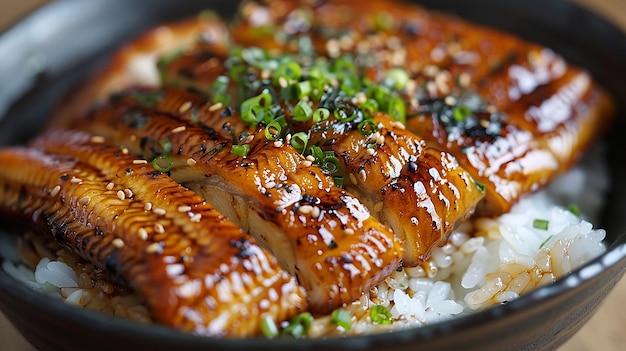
<point x="143" y="233"/>
<point x="184" y="107"/>
<point x="450" y="100"/>
<point x="98" y="139"/>
<point x="159" y="211"/>
<point x="118" y="243"/>
<point x="153" y="248"/>
<point x="370" y="151"/>
<point x="305" y="209"/>
<point x="310" y="158"/>
<point x="248" y="139"/>
<point x="148" y="206"/>
<point x="110" y="186"/>
<point x="84" y="200"/>
<point x="283" y="82"/>
<point x="380" y="139"/>
<point x="55" y="191"/>
<point x="363" y="175"/>
<point x="184" y="208"/>
<point x="348" y="231"/>
<point x="315" y="212"/>
<point x="139" y="162"/>
<point x="159" y="228"/>
<point x="75" y="180"/>
<point x="191" y="162"/>
<point x="179" y="129"/>
<point x="128" y="193"/>
<point x="125" y="151"/>
<point x="121" y="195"/>
<point x="270" y="184"/>
<point x="278" y="143"/>
<point x="378" y="206"/>
<point x="307" y="163"/>
<point x="216" y="106"/>
<point x="196" y="217"/>
<point x="353" y="179"/>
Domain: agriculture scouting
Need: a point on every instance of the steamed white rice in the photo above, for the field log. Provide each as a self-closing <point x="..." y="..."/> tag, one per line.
<point x="486" y="262"/>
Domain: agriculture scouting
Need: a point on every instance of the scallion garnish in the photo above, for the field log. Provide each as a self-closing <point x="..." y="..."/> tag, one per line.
<point x="545" y="241"/>
<point x="380" y="314"/>
<point x="302" y="112"/>
<point x="268" y="327"/>
<point x="299" y="141"/>
<point x="302" y="89"/>
<point x="573" y="208"/>
<point x="341" y="318"/>
<point x="289" y="70"/>
<point x="298" y="325"/>
<point x="461" y="112"/>
<point x="274" y="129"/>
<point x="163" y="163"/>
<point x="369" y="108"/>
<point x="218" y="90"/>
<point x="396" y="78"/>
<point x="397" y="109"/>
<point x="480" y="186"/>
<point x="338" y="181"/>
<point x="240" y="150"/>
<point x="367" y="127"/>
<point x="253" y="110"/>
<point x="540" y="224"/>
<point x="321" y="114"/>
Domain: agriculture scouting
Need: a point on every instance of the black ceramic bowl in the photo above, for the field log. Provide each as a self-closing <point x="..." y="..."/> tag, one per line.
<point x="48" y="52"/>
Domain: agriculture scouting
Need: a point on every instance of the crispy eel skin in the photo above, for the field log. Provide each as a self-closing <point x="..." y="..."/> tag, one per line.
<point x="538" y="114"/>
<point x="196" y="270"/>
<point x="420" y="192"/>
<point x="318" y="232"/>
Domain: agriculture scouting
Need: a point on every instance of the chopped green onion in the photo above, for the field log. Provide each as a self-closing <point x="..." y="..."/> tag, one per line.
<point x="253" y="110"/>
<point x="338" y="181"/>
<point x="240" y="150"/>
<point x="299" y="141"/>
<point x="545" y="241"/>
<point x="397" y="109"/>
<point x="299" y="325"/>
<point x="342" y="318"/>
<point x="367" y="127"/>
<point x="302" y="111"/>
<point x="380" y="314"/>
<point x="480" y="186"/>
<point x="253" y="56"/>
<point x="163" y="163"/>
<point x="218" y="90"/>
<point x="345" y="113"/>
<point x="166" y="146"/>
<point x="396" y="78"/>
<point x="268" y="327"/>
<point x="573" y="208"/>
<point x="289" y="69"/>
<point x="461" y="112"/>
<point x="275" y="128"/>
<point x="148" y="98"/>
<point x="321" y="114"/>
<point x="301" y="89"/>
<point x="540" y="224"/>
<point x="369" y="108"/>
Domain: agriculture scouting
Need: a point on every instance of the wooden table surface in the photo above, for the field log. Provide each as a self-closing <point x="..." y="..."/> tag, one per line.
<point x="605" y="331"/>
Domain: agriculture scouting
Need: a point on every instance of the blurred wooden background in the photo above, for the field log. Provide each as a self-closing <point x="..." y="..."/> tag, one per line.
<point x="604" y="332"/>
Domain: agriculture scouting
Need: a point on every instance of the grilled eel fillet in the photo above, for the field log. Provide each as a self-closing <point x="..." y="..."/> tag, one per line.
<point x="136" y="62"/>
<point x="420" y="192"/>
<point x="317" y="231"/>
<point x="196" y="270"/>
<point x="538" y="113"/>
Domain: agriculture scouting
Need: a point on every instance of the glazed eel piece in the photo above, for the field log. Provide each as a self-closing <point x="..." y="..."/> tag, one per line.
<point x="417" y="191"/>
<point x="196" y="270"/>
<point x="318" y="232"/>
<point x="523" y="115"/>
